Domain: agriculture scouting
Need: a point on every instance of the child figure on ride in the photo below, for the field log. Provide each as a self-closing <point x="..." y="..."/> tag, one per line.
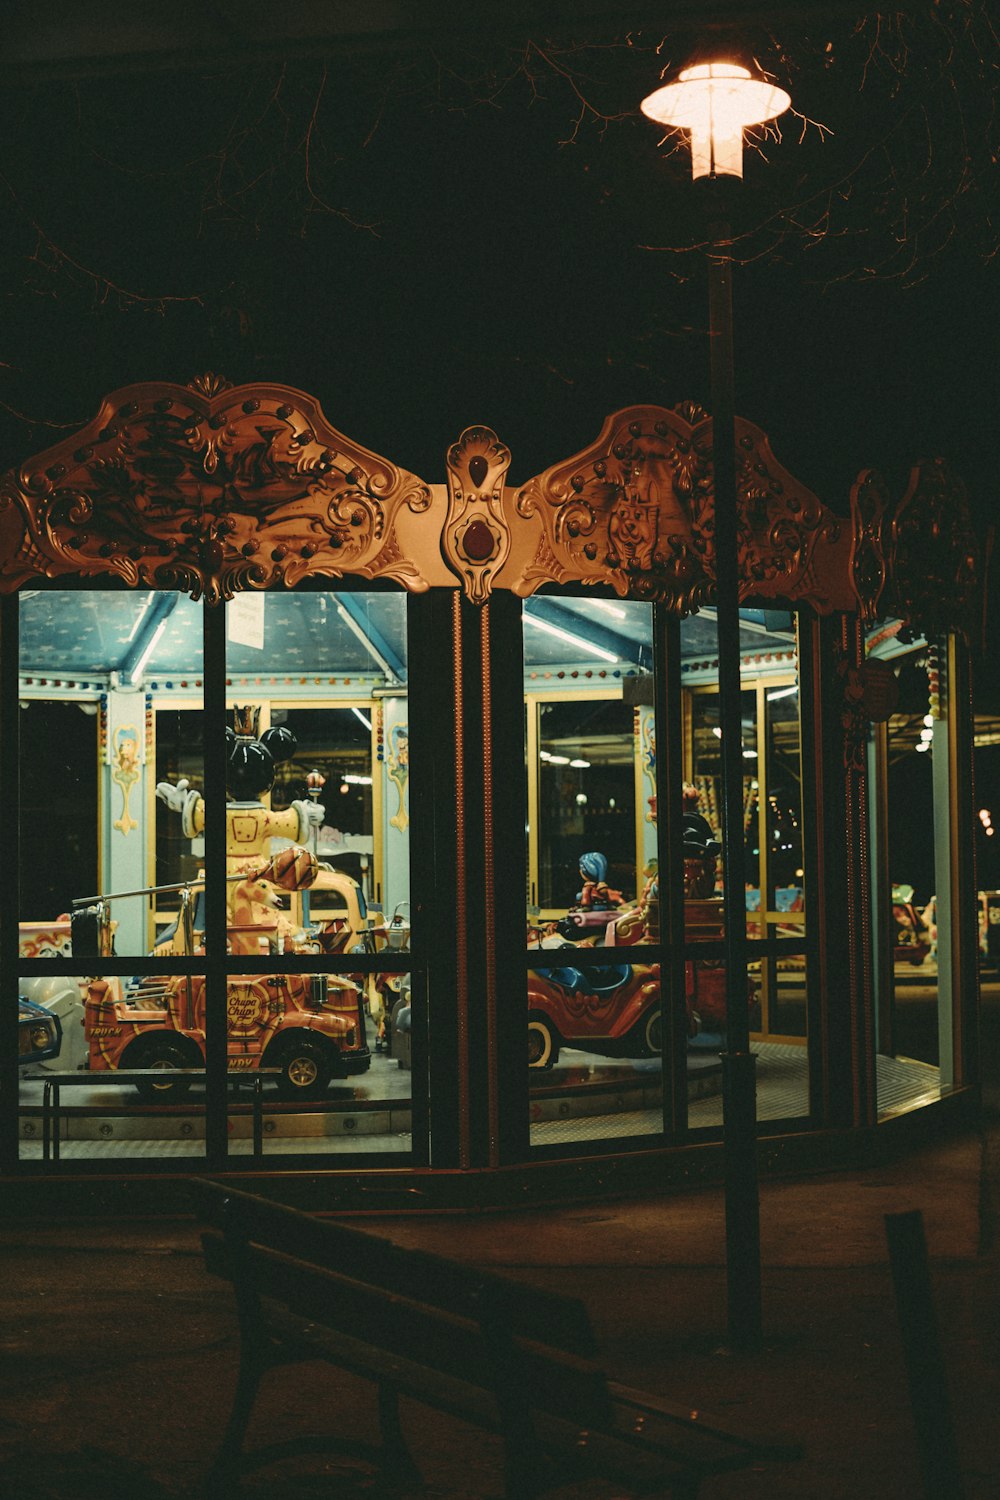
<point x="596" y="895"/>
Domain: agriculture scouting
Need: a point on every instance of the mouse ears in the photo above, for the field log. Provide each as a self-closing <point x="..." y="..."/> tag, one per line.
<point x="280" y="742"/>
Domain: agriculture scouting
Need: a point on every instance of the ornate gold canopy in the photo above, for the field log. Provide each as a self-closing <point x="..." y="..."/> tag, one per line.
<point x="213" y="489"/>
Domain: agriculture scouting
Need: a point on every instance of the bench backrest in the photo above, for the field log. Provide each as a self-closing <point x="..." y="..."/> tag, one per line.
<point x="469" y="1324"/>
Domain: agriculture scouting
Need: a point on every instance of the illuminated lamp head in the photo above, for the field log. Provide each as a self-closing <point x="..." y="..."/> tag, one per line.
<point x="716" y="102"/>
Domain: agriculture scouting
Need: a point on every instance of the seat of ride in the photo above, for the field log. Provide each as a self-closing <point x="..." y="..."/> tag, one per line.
<point x="595" y="981"/>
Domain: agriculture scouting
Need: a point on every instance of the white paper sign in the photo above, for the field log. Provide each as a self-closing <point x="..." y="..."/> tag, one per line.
<point x="245" y="620"/>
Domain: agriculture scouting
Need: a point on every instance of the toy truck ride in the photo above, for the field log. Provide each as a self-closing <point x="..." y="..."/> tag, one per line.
<point x="309" y="1027"/>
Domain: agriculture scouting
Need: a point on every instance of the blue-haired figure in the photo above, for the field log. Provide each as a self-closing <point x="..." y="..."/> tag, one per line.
<point x="596" y="895"/>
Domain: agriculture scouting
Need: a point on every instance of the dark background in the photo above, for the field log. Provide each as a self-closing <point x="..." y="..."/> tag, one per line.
<point x="467" y="220"/>
<point x="435" y="215"/>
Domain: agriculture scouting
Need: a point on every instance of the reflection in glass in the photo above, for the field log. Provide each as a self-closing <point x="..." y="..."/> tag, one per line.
<point x="703" y="789"/>
<point x="332" y="765"/>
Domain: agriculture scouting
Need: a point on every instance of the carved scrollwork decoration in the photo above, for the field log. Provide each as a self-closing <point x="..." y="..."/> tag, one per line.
<point x="788" y="537"/>
<point x="210" y="489"/>
<point x="637" y="510"/>
<point x="935" y="556"/>
<point x="854" y="719"/>
<point x="869" y="502"/>
<point x="476" y="536"/>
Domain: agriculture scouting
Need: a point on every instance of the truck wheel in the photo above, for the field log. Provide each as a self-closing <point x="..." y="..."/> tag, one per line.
<point x="543" y="1049"/>
<point x="163" y="1055"/>
<point x="305" y="1069"/>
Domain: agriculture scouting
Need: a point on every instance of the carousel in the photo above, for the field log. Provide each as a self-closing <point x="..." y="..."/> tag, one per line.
<point x="372" y="829"/>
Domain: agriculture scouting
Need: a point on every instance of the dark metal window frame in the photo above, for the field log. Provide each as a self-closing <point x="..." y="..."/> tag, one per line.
<point x="675" y="950"/>
<point x="215" y="964"/>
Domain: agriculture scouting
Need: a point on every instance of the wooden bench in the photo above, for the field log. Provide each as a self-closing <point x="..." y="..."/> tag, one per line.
<point x="496" y="1352"/>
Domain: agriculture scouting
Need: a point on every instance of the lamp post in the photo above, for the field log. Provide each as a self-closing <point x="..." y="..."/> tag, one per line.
<point x="716" y="102"/>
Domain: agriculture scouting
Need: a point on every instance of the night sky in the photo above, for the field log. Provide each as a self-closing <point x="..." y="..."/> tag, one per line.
<point x="426" y="233"/>
<point x="485" y="230"/>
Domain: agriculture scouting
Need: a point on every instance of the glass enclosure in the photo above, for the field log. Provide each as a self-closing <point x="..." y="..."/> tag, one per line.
<point x="310" y="986"/>
<point x="308" y="1008"/>
<point x="912" y="772"/>
<point x="625" y="1029"/>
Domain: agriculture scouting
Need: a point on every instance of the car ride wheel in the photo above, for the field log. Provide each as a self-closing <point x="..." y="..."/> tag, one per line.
<point x="305" y="1069"/>
<point x="542" y="1046"/>
<point x="652" y="1033"/>
<point x="165" y="1056"/>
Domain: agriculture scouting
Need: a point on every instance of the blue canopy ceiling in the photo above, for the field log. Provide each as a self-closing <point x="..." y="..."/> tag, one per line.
<point x="153" y="639"/>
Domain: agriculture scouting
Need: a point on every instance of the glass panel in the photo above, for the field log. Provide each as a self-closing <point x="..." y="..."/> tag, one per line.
<point x="89" y="665"/>
<point x="593" y="1032"/>
<point x="773" y="853"/>
<point x="318" y="863"/>
<point x="594" y="1045"/>
<point x="914" y="983"/>
<point x="782" y="1068"/>
<point x="127" y="1076"/>
<point x="325" y="1087"/>
<point x="703" y="804"/>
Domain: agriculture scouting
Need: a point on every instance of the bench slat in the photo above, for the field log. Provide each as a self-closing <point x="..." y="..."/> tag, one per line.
<point x="679" y="1453"/>
<point x="560" y="1381"/>
<point x="444" y="1283"/>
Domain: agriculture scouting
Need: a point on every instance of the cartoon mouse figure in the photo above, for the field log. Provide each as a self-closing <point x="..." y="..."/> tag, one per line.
<point x="250" y="826"/>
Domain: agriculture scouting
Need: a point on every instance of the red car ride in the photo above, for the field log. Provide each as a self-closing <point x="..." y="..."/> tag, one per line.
<point x="613" y="1011"/>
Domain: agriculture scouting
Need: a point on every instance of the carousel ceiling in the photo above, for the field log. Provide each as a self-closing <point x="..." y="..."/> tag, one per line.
<point x="152" y="637"/>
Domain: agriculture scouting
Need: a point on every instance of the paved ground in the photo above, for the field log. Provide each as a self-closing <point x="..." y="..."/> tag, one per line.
<point x="120" y="1353"/>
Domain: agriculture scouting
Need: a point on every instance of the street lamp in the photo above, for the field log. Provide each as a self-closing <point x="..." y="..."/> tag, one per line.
<point x="716" y="102"/>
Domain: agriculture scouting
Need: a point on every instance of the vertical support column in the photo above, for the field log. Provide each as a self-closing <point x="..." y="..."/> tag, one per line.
<point x="216" y="1031"/>
<point x="739" y="1093"/>
<point x="505" y="876"/>
<point x="124" y="832"/>
<point x="10" y="907"/>
<point x="436" y="708"/>
<point x="945" y="877"/>
<point x="670" y="858"/>
<point x="394" y="771"/>
<point x="965" y="896"/>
